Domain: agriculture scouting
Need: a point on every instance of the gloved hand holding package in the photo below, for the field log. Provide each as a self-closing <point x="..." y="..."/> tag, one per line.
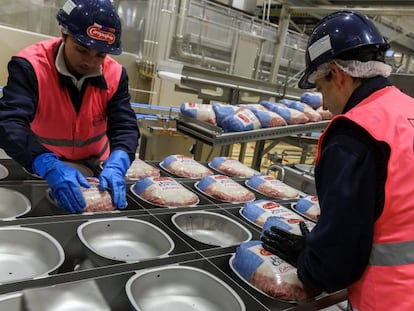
<point x="64" y="181"/>
<point x="113" y="176"/>
<point x="285" y="245"/>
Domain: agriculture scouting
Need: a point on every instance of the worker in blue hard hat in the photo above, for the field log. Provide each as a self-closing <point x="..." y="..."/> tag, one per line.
<point x="66" y="99"/>
<point x="363" y="240"/>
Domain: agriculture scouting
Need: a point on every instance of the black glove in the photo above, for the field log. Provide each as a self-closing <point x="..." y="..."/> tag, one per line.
<point x="285" y="245"/>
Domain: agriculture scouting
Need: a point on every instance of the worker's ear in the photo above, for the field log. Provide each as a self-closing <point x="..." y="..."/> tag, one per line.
<point x="64" y="35"/>
<point x="338" y="75"/>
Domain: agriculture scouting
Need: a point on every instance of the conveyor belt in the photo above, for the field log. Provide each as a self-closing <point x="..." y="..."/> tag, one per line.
<point x="214" y="136"/>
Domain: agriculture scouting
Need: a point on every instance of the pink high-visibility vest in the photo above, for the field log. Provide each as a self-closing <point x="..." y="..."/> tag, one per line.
<point x="56" y="124"/>
<point x="388" y="280"/>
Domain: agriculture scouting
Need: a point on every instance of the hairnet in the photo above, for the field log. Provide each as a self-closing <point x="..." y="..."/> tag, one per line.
<point x="354" y="68"/>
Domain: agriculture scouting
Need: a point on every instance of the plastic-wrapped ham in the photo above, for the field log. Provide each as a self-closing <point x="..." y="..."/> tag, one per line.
<point x="201" y="112"/>
<point x="308" y="207"/>
<point x="222" y="111"/>
<point x="272" y="187"/>
<point x="313" y="99"/>
<point x="96" y="200"/>
<point x="306" y="109"/>
<point x="268" y="273"/>
<point x="291" y="116"/>
<point x="184" y="166"/>
<point x="140" y="169"/>
<point x="164" y="192"/>
<point x="266" y="117"/>
<point x="287" y="224"/>
<point x="232" y="167"/>
<point x="225" y="189"/>
<point x="242" y="120"/>
<point x="260" y="212"/>
<point x="325" y="114"/>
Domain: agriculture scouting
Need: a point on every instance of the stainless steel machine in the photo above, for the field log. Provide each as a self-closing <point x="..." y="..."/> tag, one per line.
<point x="83" y="279"/>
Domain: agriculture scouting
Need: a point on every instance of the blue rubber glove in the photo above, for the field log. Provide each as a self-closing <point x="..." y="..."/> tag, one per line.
<point x="63" y="180"/>
<point x="113" y="176"/>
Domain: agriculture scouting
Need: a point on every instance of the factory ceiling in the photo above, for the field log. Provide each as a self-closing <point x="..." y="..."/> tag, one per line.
<point x="394" y="18"/>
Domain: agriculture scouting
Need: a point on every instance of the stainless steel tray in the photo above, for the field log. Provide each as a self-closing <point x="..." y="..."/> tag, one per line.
<point x="13" y="204"/>
<point x="79" y="296"/>
<point x="123" y="239"/>
<point x="177" y="288"/>
<point x="27" y="253"/>
<point x="211" y="228"/>
<point x="4" y="172"/>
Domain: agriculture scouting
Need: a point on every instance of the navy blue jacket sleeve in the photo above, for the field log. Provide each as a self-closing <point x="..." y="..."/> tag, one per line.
<point x="350" y="179"/>
<point x="17" y="109"/>
<point x="122" y="131"/>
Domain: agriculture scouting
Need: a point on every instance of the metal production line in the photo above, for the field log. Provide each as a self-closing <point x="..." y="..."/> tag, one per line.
<point x="82" y="268"/>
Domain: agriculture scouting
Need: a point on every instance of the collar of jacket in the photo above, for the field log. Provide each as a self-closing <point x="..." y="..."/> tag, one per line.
<point x="367" y="87"/>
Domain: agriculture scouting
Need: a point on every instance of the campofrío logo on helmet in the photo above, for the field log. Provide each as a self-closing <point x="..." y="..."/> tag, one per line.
<point x="101" y="33"/>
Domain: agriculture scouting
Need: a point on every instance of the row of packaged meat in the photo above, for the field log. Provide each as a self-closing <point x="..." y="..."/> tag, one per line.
<point x="266" y="114"/>
<point x="216" y="181"/>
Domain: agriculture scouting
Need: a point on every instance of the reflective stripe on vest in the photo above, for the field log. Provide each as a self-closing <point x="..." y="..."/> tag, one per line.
<point x="69" y="142"/>
<point x="102" y="154"/>
<point x="392" y="254"/>
<point x="387" y="115"/>
<point x="59" y="128"/>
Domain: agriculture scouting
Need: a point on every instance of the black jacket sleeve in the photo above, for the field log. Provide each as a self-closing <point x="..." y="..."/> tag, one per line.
<point x="17" y="108"/>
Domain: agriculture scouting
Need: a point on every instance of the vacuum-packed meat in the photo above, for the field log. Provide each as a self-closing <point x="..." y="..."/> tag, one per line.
<point x="164" y="191"/>
<point x="313" y="99"/>
<point x="223" y="110"/>
<point x="140" y="169"/>
<point x="272" y="187"/>
<point x="291" y="116"/>
<point x="224" y="189"/>
<point x="96" y="200"/>
<point x="260" y="211"/>
<point x="201" y="112"/>
<point x="231" y="167"/>
<point x="308" y="207"/>
<point x="184" y="166"/>
<point x="325" y="114"/>
<point x="268" y="273"/>
<point x="266" y="117"/>
<point x="312" y="115"/>
<point x="242" y="120"/>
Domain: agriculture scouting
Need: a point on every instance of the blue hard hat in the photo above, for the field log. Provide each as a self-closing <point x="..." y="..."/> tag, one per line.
<point x="339" y="34"/>
<point x="94" y="23"/>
